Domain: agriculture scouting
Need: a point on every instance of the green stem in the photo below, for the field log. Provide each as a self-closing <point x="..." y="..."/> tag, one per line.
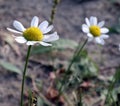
<point x="30" y="98"/>
<point x="53" y="11"/>
<point x="76" y="54"/>
<point x="80" y="98"/>
<point x="111" y="87"/>
<point x="24" y="73"/>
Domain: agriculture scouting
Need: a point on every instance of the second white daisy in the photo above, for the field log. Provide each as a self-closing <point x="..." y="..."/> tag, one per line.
<point x="35" y="33"/>
<point x="94" y="30"/>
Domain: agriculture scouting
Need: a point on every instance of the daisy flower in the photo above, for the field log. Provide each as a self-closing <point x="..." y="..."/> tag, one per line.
<point x="95" y="31"/>
<point x="35" y="33"/>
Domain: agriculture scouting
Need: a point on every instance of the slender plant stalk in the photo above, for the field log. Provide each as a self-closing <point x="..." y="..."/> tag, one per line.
<point x="76" y="54"/>
<point x="53" y="11"/>
<point x="24" y="73"/>
<point x="30" y="98"/>
<point x="52" y="17"/>
<point x="80" y="98"/>
<point x="111" y="87"/>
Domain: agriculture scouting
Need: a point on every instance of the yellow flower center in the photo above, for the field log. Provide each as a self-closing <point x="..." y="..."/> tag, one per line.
<point x="95" y="31"/>
<point x="33" y="34"/>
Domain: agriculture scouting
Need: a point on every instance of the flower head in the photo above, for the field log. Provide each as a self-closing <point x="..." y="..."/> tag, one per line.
<point x="95" y="31"/>
<point x="35" y="33"/>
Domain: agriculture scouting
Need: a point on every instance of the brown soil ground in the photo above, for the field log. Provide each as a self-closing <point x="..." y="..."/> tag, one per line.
<point x="69" y="18"/>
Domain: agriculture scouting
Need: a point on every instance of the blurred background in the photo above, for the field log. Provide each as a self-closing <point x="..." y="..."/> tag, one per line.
<point x="69" y="17"/>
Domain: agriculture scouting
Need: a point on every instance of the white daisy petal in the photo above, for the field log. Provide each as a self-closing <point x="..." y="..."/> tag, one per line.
<point x="104" y="30"/>
<point x="90" y="35"/>
<point x="43" y="26"/>
<point x="101" y="24"/>
<point x="51" y="37"/>
<point x="45" y="44"/>
<point x="102" y="42"/>
<point x="48" y="29"/>
<point x="34" y="24"/>
<point x="94" y="21"/>
<point x="14" y="31"/>
<point x="13" y="36"/>
<point x="99" y="41"/>
<point x="104" y="36"/>
<point x="18" y="26"/>
<point x="85" y="28"/>
<point x="31" y="42"/>
<point x="91" y="20"/>
<point x="20" y="39"/>
<point x="87" y="21"/>
<point x="97" y="36"/>
<point x="35" y="21"/>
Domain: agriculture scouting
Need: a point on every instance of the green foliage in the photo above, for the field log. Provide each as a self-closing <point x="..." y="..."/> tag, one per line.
<point x="114" y="88"/>
<point x="114" y="1"/>
<point x="43" y="102"/>
<point x="83" y="67"/>
<point x="115" y="28"/>
<point x="40" y="102"/>
<point x="10" y="67"/>
<point x="61" y="44"/>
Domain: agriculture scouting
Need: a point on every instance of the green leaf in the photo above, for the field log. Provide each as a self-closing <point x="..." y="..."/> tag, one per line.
<point x="40" y="102"/>
<point x="117" y="75"/>
<point x="86" y="67"/>
<point x="10" y="67"/>
<point x="115" y="29"/>
<point x="61" y="44"/>
<point x="41" y="49"/>
<point x="64" y="44"/>
<point x="83" y="67"/>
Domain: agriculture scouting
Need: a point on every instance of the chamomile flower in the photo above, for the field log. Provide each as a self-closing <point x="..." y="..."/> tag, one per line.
<point x="35" y="33"/>
<point x="95" y="31"/>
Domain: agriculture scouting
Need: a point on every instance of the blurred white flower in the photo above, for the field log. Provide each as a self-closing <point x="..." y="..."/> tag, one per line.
<point x="35" y="33"/>
<point x="94" y="30"/>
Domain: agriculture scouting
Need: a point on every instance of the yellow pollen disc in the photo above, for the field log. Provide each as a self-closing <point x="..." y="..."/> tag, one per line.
<point x="95" y="31"/>
<point x="33" y="34"/>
